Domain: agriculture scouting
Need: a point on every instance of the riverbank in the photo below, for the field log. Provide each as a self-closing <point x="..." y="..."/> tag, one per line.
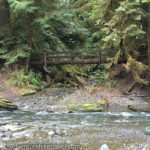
<point x="60" y="100"/>
<point x="65" y="100"/>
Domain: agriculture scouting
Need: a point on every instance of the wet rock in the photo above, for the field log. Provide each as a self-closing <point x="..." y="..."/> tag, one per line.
<point x="131" y="107"/>
<point x="104" y="147"/>
<point x="147" y="130"/>
<point x="42" y="113"/>
<point x="2" y="123"/>
<point x="2" y="134"/>
<point x="58" y="132"/>
<point x="18" y="123"/>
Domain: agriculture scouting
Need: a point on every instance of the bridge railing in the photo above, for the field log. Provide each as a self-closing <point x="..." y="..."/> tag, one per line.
<point x="72" y="57"/>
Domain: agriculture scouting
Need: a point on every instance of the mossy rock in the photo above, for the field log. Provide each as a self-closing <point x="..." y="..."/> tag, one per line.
<point x="5" y="104"/>
<point x="85" y="107"/>
<point x="25" y="92"/>
<point x="104" y="103"/>
<point x="131" y="107"/>
<point x="5" y="101"/>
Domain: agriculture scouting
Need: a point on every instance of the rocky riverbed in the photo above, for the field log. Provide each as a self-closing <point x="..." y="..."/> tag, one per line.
<point x="58" y="100"/>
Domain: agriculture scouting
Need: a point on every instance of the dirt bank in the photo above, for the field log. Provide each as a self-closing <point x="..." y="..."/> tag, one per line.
<point x="7" y="92"/>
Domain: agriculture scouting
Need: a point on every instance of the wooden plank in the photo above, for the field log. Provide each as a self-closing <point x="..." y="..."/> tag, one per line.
<point x="88" y="61"/>
<point x="66" y="52"/>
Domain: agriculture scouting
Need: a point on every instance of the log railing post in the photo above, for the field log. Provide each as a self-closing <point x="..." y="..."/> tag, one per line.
<point x="45" y="59"/>
<point x="72" y="57"/>
<point x="99" y="57"/>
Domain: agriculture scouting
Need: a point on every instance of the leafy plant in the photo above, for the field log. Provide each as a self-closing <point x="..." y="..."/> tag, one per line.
<point x="102" y="79"/>
<point x="22" y="80"/>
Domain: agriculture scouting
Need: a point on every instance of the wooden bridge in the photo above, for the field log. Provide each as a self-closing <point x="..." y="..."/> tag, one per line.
<point x="72" y="57"/>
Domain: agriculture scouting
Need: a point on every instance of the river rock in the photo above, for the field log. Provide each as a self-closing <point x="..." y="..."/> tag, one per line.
<point x="51" y="133"/>
<point x="2" y="123"/>
<point x="147" y="130"/>
<point x="104" y="147"/>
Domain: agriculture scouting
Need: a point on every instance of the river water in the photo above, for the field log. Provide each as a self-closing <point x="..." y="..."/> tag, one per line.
<point x="87" y="131"/>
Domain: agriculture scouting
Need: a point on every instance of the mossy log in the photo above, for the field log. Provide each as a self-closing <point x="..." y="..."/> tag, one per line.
<point x="7" y="105"/>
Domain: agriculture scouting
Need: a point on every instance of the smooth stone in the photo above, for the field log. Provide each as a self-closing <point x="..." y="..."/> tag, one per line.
<point x="104" y="147"/>
<point x="147" y="131"/>
<point x="51" y="133"/>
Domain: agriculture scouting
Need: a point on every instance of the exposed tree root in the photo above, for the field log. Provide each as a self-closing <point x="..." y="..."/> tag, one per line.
<point x="131" y="73"/>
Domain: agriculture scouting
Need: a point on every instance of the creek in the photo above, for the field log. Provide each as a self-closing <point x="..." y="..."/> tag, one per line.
<point x="87" y="131"/>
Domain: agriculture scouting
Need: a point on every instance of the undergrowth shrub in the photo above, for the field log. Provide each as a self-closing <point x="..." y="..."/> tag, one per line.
<point x="20" y="79"/>
<point x="102" y="79"/>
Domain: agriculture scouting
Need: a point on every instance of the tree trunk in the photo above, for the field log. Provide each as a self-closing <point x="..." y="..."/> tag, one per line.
<point x="148" y="41"/>
<point x="30" y="43"/>
<point x="4" y="13"/>
<point x="148" y="35"/>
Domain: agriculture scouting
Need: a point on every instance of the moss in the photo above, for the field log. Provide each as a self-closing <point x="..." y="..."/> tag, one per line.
<point x="7" y="105"/>
<point x="85" y="107"/>
<point x="24" y="92"/>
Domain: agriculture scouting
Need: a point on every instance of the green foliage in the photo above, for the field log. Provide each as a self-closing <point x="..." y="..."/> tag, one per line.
<point x="23" y="6"/>
<point x="102" y="79"/>
<point x="125" y="25"/>
<point x="22" y="80"/>
<point x="54" y="25"/>
<point x="41" y="26"/>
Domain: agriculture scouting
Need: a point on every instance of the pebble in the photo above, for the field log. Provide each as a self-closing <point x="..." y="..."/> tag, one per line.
<point x="104" y="147"/>
<point x="51" y="133"/>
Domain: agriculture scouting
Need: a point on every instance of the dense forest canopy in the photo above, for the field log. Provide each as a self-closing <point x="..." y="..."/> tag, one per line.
<point x="29" y="26"/>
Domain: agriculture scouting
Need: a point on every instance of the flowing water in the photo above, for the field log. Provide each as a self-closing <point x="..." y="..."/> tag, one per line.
<point x="87" y="131"/>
